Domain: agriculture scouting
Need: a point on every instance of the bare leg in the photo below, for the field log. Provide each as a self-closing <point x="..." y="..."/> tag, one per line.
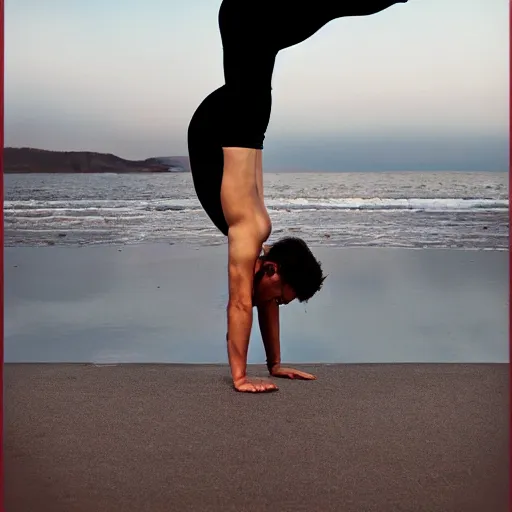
<point x="242" y="190"/>
<point x="259" y="182"/>
<point x="259" y="176"/>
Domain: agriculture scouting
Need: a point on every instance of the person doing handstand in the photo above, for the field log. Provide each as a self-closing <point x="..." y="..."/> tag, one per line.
<point x="225" y="142"/>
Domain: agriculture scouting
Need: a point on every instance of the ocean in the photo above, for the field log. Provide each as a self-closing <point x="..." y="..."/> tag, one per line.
<point x="467" y="210"/>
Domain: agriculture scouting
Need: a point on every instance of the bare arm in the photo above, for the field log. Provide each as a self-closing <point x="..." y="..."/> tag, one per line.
<point x="268" y="316"/>
<point x="243" y="253"/>
<point x="248" y="228"/>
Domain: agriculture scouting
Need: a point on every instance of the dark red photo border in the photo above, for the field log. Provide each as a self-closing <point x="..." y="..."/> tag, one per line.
<point x="2" y="52"/>
<point x="510" y="247"/>
<point x="2" y="46"/>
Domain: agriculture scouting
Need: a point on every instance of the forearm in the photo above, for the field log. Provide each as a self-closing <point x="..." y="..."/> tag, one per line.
<point x="239" y="332"/>
<point x="272" y="350"/>
<point x="269" y="327"/>
<point x="243" y="250"/>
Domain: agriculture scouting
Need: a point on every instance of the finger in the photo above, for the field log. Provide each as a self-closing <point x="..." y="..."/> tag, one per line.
<point x="306" y="376"/>
<point x="255" y="388"/>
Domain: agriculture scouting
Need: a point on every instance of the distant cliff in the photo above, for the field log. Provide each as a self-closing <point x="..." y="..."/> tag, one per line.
<point x="30" y="160"/>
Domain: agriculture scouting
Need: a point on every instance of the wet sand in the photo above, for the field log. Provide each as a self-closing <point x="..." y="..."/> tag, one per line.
<point x="162" y="303"/>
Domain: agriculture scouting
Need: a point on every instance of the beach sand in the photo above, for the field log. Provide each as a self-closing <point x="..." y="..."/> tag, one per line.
<point x="155" y="438"/>
<point x="138" y="437"/>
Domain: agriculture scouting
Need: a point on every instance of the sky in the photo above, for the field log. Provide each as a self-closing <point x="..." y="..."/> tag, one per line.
<point x="420" y="86"/>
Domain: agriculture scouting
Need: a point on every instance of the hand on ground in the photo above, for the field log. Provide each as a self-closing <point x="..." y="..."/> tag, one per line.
<point x="247" y="385"/>
<point x="290" y="373"/>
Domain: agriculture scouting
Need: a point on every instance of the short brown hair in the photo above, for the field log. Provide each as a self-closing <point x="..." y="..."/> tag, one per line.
<point x="297" y="266"/>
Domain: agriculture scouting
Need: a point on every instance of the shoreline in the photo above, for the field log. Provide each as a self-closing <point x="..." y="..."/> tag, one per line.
<point x="285" y="171"/>
<point x="224" y="243"/>
<point x="260" y="367"/>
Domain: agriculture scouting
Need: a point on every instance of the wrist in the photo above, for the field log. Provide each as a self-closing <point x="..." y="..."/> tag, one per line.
<point x="273" y="366"/>
<point x="238" y="367"/>
<point x="238" y="381"/>
<point x="238" y="372"/>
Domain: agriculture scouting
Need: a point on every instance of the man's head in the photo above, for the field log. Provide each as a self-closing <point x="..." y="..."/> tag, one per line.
<point x="288" y="271"/>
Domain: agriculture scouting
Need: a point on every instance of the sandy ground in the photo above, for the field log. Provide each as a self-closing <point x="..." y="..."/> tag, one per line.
<point x="155" y="438"/>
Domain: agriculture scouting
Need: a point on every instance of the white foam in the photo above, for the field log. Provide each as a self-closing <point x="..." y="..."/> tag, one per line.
<point x="299" y="203"/>
<point x="377" y="203"/>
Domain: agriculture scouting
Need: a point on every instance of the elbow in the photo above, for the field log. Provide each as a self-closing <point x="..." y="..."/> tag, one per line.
<point x="241" y="305"/>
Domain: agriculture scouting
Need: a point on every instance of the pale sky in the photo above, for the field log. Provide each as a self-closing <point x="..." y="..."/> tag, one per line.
<point x="421" y="85"/>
